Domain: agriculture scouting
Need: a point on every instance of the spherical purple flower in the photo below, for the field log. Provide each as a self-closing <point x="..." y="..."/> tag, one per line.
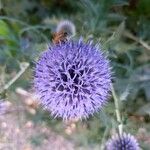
<point x="123" y="142"/>
<point x="73" y="79"/>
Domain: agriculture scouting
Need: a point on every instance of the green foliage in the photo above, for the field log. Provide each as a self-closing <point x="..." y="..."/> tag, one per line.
<point x="122" y="27"/>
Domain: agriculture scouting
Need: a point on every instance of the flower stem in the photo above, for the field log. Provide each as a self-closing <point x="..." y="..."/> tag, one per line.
<point x="23" y="67"/>
<point x="102" y="147"/>
<point x="117" y="110"/>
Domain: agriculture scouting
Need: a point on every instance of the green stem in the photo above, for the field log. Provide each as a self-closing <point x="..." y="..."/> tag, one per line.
<point x="117" y="110"/>
<point x="104" y="138"/>
<point x="23" y="67"/>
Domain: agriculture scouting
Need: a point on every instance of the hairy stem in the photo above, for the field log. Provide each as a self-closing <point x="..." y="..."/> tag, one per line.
<point x="117" y="110"/>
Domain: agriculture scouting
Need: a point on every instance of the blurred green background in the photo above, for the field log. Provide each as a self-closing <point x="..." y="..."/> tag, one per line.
<point x="123" y="29"/>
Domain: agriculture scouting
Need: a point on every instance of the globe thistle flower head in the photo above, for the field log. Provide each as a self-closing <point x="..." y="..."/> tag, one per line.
<point x="66" y="26"/>
<point x="73" y="79"/>
<point x="123" y="142"/>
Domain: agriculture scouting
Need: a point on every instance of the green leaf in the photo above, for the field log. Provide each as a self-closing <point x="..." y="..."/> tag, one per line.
<point x="147" y="91"/>
<point x="123" y="47"/>
<point x="4" y="29"/>
<point x="115" y="36"/>
<point x="144" y="110"/>
<point x="140" y="79"/>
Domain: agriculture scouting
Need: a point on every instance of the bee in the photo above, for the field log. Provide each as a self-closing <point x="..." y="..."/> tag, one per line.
<point x="64" y="31"/>
<point x="60" y="37"/>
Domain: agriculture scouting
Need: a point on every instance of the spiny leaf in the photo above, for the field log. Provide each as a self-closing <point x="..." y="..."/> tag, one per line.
<point x="115" y="36"/>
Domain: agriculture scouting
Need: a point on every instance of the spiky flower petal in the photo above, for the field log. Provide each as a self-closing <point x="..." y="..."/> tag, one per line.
<point x="123" y="142"/>
<point x="73" y="79"/>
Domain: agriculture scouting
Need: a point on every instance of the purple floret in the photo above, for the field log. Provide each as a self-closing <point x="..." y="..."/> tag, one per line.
<point x="123" y="142"/>
<point x="73" y="79"/>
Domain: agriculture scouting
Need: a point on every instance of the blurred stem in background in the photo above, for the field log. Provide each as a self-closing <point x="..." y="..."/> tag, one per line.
<point x="102" y="147"/>
<point x="23" y="67"/>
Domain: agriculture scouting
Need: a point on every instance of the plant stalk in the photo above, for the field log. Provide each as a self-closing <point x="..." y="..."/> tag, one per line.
<point x="117" y="110"/>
